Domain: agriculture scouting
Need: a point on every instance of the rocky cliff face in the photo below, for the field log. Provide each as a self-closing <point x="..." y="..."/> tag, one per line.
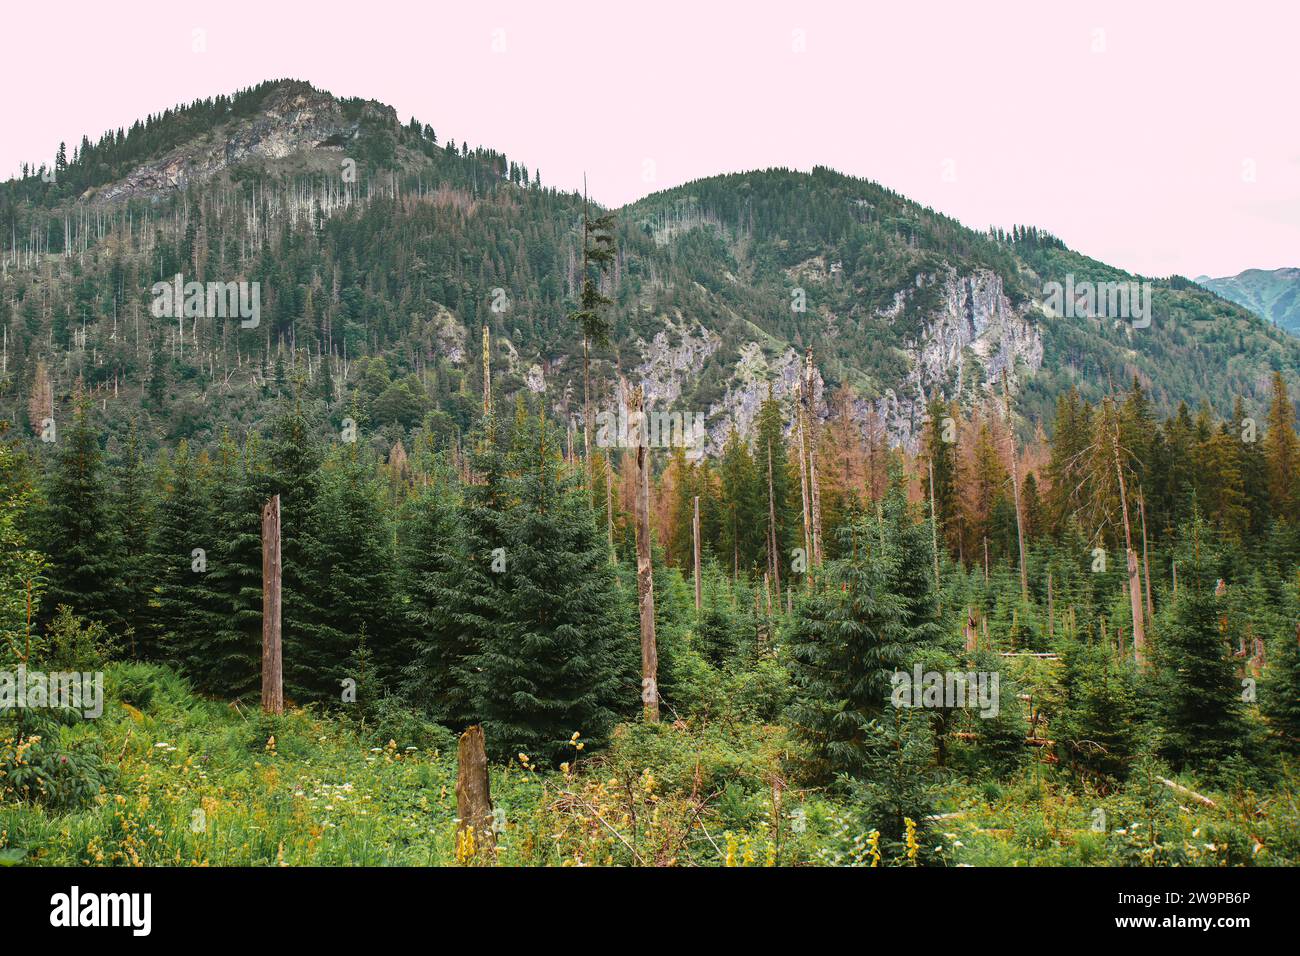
<point x="291" y="121"/>
<point x="966" y="344"/>
<point x="674" y="354"/>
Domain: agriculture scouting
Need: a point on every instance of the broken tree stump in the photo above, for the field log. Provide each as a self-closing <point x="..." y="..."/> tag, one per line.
<point x="272" y="660"/>
<point x="475" y="839"/>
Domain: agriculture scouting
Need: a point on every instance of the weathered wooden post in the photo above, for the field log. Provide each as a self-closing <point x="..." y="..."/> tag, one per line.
<point x="272" y="661"/>
<point x="474" y="833"/>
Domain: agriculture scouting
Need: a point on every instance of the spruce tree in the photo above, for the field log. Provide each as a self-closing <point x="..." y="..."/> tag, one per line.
<point x="133" y="510"/>
<point x="1200" y="698"/>
<point x="352" y="578"/>
<point x="846" y="640"/>
<point x="1282" y="452"/>
<point x="312" y="668"/>
<point x="432" y="572"/>
<point x="1280" y="691"/>
<point x="84" y="561"/>
<point x="1103" y="703"/>
<point x="549" y="668"/>
<point x="234" y="650"/>
<point x="741" y="521"/>
<point x="183" y="620"/>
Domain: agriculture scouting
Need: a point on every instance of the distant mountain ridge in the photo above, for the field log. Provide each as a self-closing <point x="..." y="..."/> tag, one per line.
<point x="1272" y="294"/>
<point x="382" y="252"/>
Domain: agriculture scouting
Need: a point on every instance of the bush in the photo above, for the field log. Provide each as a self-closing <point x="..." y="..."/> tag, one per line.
<point x="35" y="766"/>
<point x="143" y="685"/>
<point x="393" y="720"/>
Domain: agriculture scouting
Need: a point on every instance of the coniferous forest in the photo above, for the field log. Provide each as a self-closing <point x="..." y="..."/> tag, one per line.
<point x="1046" y="615"/>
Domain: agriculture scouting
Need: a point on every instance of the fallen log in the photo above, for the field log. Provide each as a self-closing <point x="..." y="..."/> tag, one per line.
<point x="1199" y="798"/>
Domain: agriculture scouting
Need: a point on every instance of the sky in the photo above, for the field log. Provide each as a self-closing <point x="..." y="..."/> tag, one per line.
<point x="1160" y="137"/>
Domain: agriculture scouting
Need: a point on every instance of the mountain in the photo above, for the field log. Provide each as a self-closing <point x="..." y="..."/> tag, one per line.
<point x="379" y="252"/>
<point x="1273" y="295"/>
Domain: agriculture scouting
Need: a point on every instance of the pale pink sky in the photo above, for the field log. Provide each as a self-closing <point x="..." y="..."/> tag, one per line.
<point x="1138" y="155"/>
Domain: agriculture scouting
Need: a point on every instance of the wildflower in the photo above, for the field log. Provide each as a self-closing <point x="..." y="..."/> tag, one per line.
<point x="912" y="845"/>
<point x="873" y="847"/>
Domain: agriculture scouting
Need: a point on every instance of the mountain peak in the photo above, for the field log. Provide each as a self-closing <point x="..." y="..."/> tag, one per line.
<point x="274" y="121"/>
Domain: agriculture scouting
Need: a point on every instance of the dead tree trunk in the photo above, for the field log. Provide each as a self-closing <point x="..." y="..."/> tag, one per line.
<point x="934" y="527"/>
<point x="1015" y="487"/>
<point x="609" y="505"/>
<point x="1146" y="556"/>
<point x="475" y="839"/>
<point x="771" y="525"/>
<point x="272" y="661"/>
<point x="1134" y="579"/>
<point x="644" y="568"/>
<point x="804" y="499"/>
<point x="813" y="490"/>
<point x="695" y="537"/>
<point x="487" y="370"/>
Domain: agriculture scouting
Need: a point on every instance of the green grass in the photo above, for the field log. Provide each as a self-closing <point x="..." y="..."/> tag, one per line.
<point x="202" y="782"/>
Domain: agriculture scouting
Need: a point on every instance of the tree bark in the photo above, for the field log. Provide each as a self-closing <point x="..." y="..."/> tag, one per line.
<point x="272" y="661"/>
<point x="1134" y="578"/>
<point x="695" y="537"/>
<point x="609" y="505"/>
<point x="1146" y="556"/>
<point x="644" y="566"/>
<point x="805" y="501"/>
<point x="586" y="406"/>
<point x="934" y="527"/>
<point x="1015" y="487"/>
<point x="771" y="524"/>
<point x="475" y="839"/>
<point x="814" y="491"/>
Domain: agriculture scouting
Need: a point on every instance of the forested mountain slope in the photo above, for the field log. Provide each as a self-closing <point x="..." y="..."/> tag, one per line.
<point x="1273" y="295"/>
<point x="381" y="251"/>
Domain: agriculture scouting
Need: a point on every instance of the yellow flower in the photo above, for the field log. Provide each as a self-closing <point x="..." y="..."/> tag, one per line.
<point x="912" y="845"/>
